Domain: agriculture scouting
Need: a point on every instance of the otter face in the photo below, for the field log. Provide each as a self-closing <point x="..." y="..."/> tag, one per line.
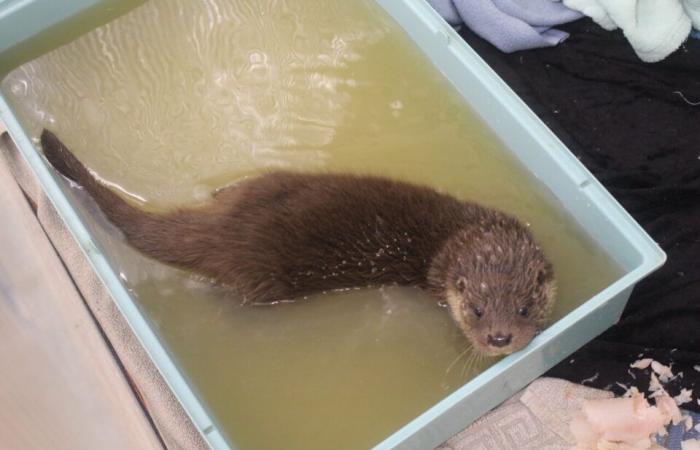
<point x="500" y="294"/>
<point x="496" y="315"/>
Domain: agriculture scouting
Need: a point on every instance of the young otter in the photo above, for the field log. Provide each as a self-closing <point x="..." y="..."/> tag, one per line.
<point x="285" y="235"/>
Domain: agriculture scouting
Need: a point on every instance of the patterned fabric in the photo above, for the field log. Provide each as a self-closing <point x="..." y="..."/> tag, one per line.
<point x="538" y="419"/>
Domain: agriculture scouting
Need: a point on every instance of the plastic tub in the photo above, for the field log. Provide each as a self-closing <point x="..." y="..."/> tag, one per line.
<point x="518" y="127"/>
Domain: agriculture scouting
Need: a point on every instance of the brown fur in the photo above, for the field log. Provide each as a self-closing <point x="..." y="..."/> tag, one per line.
<point x="285" y="235"/>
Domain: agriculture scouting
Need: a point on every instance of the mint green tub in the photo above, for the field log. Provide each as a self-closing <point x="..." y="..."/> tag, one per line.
<point x="530" y="141"/>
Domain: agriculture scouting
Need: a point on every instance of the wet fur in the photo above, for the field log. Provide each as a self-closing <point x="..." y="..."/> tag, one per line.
<point x="285" y="235"/>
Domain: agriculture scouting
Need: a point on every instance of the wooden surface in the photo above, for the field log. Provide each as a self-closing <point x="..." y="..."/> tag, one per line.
<point x="60" y="386"/>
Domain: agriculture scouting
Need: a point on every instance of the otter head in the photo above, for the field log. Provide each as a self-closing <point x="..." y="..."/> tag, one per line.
<point x="498" y="284"/>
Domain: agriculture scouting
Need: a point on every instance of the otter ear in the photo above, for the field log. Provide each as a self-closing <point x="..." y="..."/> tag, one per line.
<point x="461" y="284"/>
<point x="542" y="275"/>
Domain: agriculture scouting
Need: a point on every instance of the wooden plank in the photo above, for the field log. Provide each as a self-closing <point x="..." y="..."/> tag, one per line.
<point x="60" y="386"/>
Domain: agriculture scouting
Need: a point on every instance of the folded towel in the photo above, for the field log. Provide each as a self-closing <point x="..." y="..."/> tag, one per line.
<point x="654" y="28"/>
<point x="510" y="25"/>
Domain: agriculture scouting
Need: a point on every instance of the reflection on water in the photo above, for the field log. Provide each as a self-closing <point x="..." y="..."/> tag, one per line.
<point x="193" y="92"/>
<point x="179" y="97"/>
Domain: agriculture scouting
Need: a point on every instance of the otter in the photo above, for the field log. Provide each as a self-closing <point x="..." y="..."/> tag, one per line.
<point x="285" y="235"/>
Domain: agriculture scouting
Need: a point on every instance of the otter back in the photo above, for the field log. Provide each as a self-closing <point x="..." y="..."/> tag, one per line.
<point x="283" y="235"/>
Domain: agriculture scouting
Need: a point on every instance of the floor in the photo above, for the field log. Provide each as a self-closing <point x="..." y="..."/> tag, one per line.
<point x="61" y="386"/>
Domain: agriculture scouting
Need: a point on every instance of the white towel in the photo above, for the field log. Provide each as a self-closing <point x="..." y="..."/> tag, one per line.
<point x="654" y="28"/>
<point x="692" y="8"/>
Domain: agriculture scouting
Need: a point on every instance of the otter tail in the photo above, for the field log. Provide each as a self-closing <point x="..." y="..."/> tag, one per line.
<point x="119" y="212"/>
<point x="158" y="235"/>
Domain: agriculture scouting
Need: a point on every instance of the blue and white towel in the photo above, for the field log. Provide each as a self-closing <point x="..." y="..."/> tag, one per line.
<point x="510" y="25"/>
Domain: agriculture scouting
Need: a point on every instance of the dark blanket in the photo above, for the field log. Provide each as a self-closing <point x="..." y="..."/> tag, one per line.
<point x="635" y="127"/>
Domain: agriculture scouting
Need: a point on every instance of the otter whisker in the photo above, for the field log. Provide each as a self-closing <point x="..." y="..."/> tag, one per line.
<point x="481" y="359"/>
<point x="464" y="366"/>
<point x="476" y="360"/>
<point x="469" y="363"/>
<point x="469" y="347"/>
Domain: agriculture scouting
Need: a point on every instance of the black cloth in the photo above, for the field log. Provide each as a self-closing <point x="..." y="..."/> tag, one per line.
<point x="633" y="126"/>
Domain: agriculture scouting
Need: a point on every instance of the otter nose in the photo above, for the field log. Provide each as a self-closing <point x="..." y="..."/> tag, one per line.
<point x="499" y="340"/>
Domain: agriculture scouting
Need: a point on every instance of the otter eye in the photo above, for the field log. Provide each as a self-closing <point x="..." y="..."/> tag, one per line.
<point x="524" y="311"/>
<point x="478" y="312"/>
